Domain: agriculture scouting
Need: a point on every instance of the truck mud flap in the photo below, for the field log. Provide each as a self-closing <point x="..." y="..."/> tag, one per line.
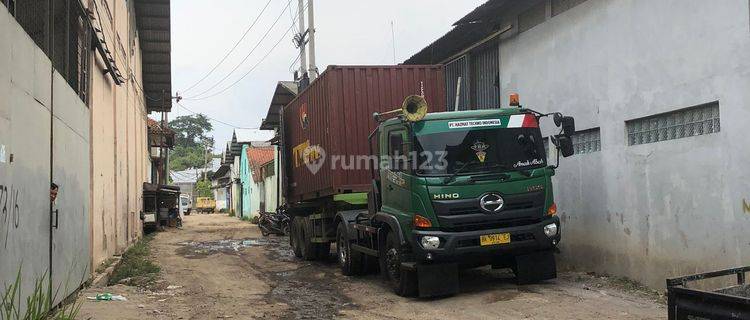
<point x="437" y="279"/>
<point x="535" y="267"/>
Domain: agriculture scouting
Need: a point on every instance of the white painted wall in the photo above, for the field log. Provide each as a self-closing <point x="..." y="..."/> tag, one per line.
<point x="656" y="210"/>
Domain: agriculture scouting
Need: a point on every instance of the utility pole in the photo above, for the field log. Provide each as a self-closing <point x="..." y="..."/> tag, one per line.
<point x="205" y="160"/>
<point x="311" y="20"/>
<point x="302" y="53"/>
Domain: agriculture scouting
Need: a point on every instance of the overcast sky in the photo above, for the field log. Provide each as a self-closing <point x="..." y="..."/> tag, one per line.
<point x="348" y="32"/>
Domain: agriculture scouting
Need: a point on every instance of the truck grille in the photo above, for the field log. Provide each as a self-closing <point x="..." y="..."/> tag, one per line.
<point x="467" y="215"/>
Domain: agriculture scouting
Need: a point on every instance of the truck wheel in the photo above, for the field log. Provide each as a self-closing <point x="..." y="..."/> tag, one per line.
<point x="309" y="250"/>
<point x="350" y="261"/>
<point x="294" y="238"/>
<point x="535" y="267"/>
<point x="403" y="282"/>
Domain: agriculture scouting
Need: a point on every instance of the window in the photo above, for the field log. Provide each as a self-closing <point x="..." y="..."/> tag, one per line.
<point x="532" y="17"/>
<point x="688" y="122"/>
<point x="69" y="31"/>
<point x="396" y="150"/>
<point x="269" y="169"/>
<point x="560" y="6"/>
<point x="587" y="141"/>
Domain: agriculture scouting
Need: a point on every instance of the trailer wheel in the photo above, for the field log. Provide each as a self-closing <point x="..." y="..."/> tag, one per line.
<point x="295" y="238"/>
<point x="309" y="249"/>
<point x="350" y="261"/>
<point x="403" y="282"/>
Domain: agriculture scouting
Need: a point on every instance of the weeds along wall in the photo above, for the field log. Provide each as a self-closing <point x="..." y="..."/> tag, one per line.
<point x="63" y="119"/>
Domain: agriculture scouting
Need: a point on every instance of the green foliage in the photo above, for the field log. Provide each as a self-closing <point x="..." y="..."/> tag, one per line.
<point x="38" y="304"/>
<point x="231" y="213"/>
<point x="245" y="218"/>
<point x="203" y="189"/>
<point x="136" y="265"/>
<point x="183" y="157"/>
<point x="191" y="139"/>
<point x="191" y="131"/>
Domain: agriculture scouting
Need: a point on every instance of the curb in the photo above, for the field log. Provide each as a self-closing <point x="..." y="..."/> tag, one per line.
<point x="100" y="280"/>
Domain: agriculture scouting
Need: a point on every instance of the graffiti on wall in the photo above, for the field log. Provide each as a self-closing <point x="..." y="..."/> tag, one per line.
<point x="10" y="211"/>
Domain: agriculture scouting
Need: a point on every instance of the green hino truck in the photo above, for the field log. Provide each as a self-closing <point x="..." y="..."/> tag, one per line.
<point x="439" y="192"/>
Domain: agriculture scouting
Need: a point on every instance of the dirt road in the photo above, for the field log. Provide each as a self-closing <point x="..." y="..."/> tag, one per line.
<point x="218" y="267"/>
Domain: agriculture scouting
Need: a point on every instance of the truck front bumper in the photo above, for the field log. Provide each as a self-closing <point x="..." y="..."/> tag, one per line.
<point x="466" y="248"/>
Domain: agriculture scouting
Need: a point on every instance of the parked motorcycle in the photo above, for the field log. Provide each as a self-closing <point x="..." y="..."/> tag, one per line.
<point x="274" y="222"/>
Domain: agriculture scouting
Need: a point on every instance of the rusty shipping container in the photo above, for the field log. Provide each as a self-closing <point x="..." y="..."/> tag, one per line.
<point x="332" y="119"/>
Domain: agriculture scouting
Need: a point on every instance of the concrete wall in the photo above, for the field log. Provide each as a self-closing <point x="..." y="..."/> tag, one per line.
<point x="654" y="210"/>
<point x="119" y="151"/>
<point x="220" y="195"/>
<point x="235" y="189"/>
<point x="44" y="137"/>
<point x="248" y="201"/>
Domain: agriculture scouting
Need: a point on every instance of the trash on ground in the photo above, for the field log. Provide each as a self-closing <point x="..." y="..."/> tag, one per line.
<point x="108" y="297"/>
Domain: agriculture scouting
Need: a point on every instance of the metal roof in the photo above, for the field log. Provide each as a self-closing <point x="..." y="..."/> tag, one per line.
<point x="476" y="27"/>
<point x="284" y="93"/>
<point x="251" y="135"/>
<point x="153" y="20"/>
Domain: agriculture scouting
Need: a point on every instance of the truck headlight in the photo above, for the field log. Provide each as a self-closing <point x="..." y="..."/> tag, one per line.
<point x="430" y="242"/>
<point x="550" y="230"/>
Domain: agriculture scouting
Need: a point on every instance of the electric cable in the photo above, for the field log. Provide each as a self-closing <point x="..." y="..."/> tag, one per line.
<point x="249" y="71"/>
<point x="247" y="31"/>
<point x="265" y="35"/>
<point x="213" y="119"/>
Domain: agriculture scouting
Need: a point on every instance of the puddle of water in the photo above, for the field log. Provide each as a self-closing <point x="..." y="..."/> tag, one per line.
<point x="197" y="250"/>
<point x="311" y="291"/>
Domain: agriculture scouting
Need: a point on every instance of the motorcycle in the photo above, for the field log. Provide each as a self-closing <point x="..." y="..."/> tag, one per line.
<point x="276" y="223"/>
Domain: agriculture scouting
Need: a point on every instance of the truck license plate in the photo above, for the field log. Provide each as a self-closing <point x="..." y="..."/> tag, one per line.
<point x="493" y="239"/>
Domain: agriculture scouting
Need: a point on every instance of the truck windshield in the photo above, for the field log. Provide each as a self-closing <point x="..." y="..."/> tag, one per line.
<point x="480" y="150"/>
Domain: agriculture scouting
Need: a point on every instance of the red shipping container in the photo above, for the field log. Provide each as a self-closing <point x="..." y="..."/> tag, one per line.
<point x="332" y="119"/>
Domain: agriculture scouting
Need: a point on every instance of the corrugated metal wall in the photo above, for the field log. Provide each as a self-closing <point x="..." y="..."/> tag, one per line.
<point x="485" y="66"/>
<point x="335" y="114"/>
<point x="459" y="68"/>
<point x="478" y="71"/>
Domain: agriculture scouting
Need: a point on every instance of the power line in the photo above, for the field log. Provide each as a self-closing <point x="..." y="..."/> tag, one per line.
<point x="233" y="48"/>
<point x="249" y="71"/>
<point x="265" y="35"/>
<point x="212" y="119"/>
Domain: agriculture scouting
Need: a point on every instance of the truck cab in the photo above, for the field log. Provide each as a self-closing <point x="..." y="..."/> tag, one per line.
<point x="457" y="190"/>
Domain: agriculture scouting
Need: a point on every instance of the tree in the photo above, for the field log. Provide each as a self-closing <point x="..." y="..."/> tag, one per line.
<point x="203" y="189"/>
<point x="192" y="131"/>
<point x="191" y="140"/>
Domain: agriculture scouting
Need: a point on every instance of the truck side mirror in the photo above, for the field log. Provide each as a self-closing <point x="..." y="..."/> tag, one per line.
<point x="564" y="144"/>
<point x="568" y="126"/>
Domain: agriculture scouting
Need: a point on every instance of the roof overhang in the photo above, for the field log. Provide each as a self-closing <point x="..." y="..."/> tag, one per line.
<point x="153" y="20"/>
<point x="285" y="92"/>
<point x="482" y="25"/>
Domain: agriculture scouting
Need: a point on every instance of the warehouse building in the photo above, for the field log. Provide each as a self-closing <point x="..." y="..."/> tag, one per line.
<point x="77" y="80"/>
<point x="659" y="185"/>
